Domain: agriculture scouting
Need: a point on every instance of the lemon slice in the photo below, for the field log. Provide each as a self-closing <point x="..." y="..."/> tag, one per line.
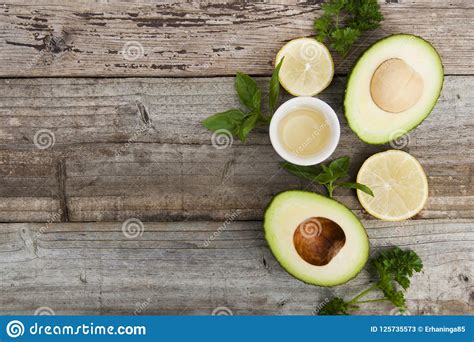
<point x="399" y="185"/>
<point x="308" y="67"/>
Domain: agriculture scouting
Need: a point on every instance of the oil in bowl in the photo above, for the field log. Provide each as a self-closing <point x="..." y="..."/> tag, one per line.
<point x="304" y="131"/>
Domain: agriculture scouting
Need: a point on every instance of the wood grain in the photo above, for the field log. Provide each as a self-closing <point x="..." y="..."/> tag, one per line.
<point x="72" y="38"/>
<point x="135" y="148"/>
<point x="92" y="268"/>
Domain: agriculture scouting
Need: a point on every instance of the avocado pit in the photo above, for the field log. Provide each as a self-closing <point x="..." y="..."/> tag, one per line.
<point x="318" y="240"/>
<point x="396" y="86"/>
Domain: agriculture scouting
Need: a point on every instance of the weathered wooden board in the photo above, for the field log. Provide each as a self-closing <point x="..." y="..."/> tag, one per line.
<point x="200" y="38"/>
<point x="126" y="148"/>
<point x="90" y="110"/>
<point x="81" y="268"/>
<point x="106" y="164"/>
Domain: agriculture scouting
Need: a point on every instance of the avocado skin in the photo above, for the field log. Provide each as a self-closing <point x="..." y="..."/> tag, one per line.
<point x="350" y="75"/>
<point x="269" y="244"/>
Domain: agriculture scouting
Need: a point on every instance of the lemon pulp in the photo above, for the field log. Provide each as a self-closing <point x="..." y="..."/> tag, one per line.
<point x="308" y="67"/>
<point x="398" y="182"/>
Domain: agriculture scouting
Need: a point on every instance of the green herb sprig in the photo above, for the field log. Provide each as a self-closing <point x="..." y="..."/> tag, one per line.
<point x="240" y="123"/>
<point x="394" y="266"/>
<point x="327" y="175"/>
<point x="344" y="21"/>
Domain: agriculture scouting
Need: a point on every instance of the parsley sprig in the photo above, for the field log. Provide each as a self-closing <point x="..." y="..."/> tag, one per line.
<point x="344" y="21"/>
<point x="240" y="123"/>
<point x="394" y="266"/>
<point x="327" y="176"/>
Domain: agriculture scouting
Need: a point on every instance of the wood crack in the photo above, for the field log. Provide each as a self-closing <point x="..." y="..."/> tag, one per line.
<point x="144" y="115"/>
<point x="61" y="171"/>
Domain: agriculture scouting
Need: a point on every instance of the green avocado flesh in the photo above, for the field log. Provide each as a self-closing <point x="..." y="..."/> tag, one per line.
<point x="314" y="238"/>
<point x="392" y="88"/>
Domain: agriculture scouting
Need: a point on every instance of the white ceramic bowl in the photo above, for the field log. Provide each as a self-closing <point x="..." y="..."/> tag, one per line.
<point x="308" y="102"/>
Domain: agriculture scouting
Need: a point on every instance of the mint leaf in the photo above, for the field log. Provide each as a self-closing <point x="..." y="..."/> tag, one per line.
<point x="229" y="120"/>
<point x="275" y="87"/>
<point x="235" y="121"/>
<point x="306" y="172"/>
<point x="248" y="91"/>
<point x="340" y="167"/>
<point x="247" y="125"/>
<point x="355" y="185"/>
<point x="325" y="177"/>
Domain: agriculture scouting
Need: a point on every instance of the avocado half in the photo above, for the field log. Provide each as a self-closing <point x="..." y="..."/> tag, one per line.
<point x="392" y="88"/>
<point x="314" y="238"/>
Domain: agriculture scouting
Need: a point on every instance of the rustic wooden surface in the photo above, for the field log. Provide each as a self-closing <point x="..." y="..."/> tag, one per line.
<point x="127" y="148"/>
<point x="199" y="38"/>
<point x="84" y="268"/>
<point x="171" y="170"/>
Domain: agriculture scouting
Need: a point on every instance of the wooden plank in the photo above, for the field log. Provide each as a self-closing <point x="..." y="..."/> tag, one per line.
<point x="92" y="268"/>
<point x="434" y="3"/>
<point x="199" y="39"/>
<point x="29" y="186"/>
<point x="107" y="164"/>
<point x="81" y="110"/>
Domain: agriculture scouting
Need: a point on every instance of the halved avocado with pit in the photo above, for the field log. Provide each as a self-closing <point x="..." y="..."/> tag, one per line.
<point x="392" y="88"/>
<point x="314" y="238"/>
